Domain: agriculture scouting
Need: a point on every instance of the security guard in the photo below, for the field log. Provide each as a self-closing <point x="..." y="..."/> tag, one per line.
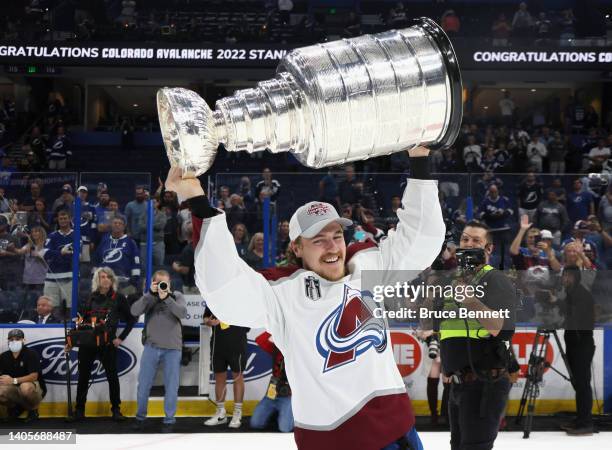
<point x="475" y="352"/>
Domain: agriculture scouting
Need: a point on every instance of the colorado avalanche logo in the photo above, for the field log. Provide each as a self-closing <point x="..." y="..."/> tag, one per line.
<point x="350" y="330"/>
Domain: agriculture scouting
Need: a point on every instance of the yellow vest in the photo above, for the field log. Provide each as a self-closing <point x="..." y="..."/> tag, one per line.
<point x="453" y="328"/>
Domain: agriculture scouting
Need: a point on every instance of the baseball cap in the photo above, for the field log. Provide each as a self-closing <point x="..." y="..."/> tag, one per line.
<point x="82" y="188"/>
<point x="16" y="334"/>
<point x="581" y="225"/>
<point x="546" y="234"/>
<point x="312" y="217"/>
<point x="102" y="187"/>
<point x="66" y="188"/>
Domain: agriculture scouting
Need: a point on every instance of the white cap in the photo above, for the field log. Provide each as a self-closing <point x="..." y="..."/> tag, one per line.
<point x="82" y="188"/>
<point x="311" y="218"/>
<point x="546" y="234"/>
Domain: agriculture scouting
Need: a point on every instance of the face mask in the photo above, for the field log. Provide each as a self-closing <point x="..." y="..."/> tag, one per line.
<point x="15" y="346"/>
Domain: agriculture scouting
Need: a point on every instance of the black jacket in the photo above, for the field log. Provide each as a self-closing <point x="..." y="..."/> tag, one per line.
<point x="111" y="307"/>
<point x="579" y="309"/>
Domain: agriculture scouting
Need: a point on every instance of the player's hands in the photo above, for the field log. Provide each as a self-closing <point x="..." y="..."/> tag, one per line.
<point x="418" y="151"/>
<point x="117" y="342"/>
<point x="154" y="287"/>
<point x="5" y="379"/>
<point x="184" y="188"/>
<point x="66" y="251"/>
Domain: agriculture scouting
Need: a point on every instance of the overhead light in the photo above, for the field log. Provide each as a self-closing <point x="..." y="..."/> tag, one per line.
<point x="533" y="90"/>
<point x="485" y="107"/>
<point x="135" y="105"/>
<point x="118" y="86"/>
<point x="503" y="89"/>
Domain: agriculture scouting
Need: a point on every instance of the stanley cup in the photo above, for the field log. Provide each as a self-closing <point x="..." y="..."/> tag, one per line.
<point x="329" y="103"/>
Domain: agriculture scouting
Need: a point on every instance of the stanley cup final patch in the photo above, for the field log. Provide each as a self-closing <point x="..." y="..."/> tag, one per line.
<point x="312" y="288"/>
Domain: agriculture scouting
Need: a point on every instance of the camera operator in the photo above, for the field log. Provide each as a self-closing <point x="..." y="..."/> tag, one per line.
<point x="580" y="347"/>
<point x="162" y="338"/>
<point x="105" y="307"/>
<point x="21" y="383"/>
<point x="474" y="352"/>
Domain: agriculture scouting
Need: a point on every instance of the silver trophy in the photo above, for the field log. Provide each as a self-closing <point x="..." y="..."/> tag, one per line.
<point x="329" y="103"/>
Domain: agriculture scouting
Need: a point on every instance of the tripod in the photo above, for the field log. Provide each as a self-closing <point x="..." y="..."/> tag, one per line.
<point x="535" y="373"/>
<point x="69" y="412"/>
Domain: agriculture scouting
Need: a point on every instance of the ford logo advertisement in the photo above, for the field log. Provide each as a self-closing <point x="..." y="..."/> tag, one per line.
<point x="258" y="364"/>
<point x="53" y="362"/>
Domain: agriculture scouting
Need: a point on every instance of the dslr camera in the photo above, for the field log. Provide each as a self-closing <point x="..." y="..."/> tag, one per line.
<point x="162" y="286"/>
<point x="468" y="259"/>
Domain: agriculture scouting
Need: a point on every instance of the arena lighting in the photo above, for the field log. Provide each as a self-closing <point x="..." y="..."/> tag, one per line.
<point x="503" y="89"/>
<point x="135" y="105"/>
<point x="533" y="90"/>
<point x="118" y="86"/>
<point x="485" y="107"/>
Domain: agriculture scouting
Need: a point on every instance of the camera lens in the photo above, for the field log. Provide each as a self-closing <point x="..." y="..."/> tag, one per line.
<point x="162" y="286"/>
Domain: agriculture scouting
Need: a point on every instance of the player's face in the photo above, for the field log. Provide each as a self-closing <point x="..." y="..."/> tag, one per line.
<point x="325" y="253"/>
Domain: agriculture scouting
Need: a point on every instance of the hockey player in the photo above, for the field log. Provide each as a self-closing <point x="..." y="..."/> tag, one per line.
<point x="119" y="252"/>
<point x="347" y="391"/>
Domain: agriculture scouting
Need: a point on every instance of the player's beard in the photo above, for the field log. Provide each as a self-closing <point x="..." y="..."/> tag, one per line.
<point x="327" y="271"/>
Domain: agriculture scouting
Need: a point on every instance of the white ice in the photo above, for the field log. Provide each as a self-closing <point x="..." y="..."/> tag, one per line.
<point x="277" y="441"/>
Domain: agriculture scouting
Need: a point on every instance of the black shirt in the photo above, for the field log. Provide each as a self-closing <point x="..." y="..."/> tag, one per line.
<point x="530" y="196"/>
<point x="186" y="259"/>
<point x="232" y="339"/>
<point x="27" y="362"/>
<point x="486" y="353"/>
<point x="579" y="309"/>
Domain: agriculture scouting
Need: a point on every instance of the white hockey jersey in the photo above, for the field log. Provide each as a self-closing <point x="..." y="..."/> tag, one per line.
<point x="336" y="353"/>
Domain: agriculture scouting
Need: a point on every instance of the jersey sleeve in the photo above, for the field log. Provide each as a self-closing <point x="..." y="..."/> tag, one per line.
<point x="418" y="237"/>
<point x="235" y="293"/>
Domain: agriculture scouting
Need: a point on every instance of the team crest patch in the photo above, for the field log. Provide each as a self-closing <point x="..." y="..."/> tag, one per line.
<point x="312" y="288"/>
<point x="317" y="209"/>
<point x="349" y="331"/>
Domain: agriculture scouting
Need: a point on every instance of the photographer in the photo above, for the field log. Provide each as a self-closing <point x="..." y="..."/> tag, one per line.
<point x="474" y="352"/>
<point x="580" y="347"/>
<point x="163" y="340"/>
<point x="105" y="308"/>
